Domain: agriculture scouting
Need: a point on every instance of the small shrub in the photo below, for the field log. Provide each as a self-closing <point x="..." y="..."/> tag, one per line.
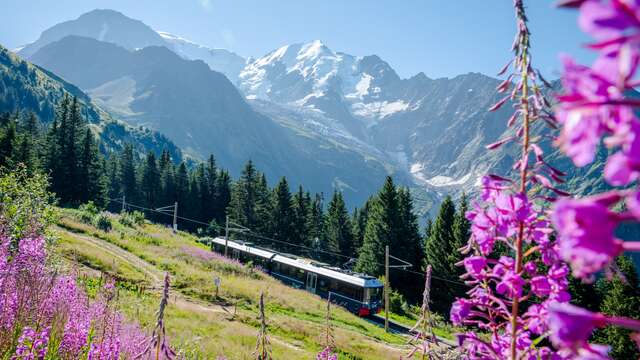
<point x="86" y="218"/>
<point x="126" y="219"/>
<point x="397" y="303"/>
<point x="89" y="208"/>
<point x="103" y="222"/>
<point x="138" y="217"/>
<point x="131" y="219"/>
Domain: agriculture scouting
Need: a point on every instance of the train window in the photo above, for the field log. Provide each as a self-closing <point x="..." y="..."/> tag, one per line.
<point x="373" y="294"/>
<point x="323" y="283"/>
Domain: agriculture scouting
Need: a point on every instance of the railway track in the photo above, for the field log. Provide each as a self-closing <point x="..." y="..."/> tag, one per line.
<point x="405" y="330"/>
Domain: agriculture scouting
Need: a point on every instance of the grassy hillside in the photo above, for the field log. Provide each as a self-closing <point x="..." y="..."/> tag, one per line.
<point x="199" y="323"/>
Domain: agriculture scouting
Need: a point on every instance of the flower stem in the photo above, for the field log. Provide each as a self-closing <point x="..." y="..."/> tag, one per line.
<point x="524" y="110"/>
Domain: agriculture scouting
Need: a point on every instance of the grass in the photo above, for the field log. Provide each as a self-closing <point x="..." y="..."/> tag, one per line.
<point x="195" y="319"/>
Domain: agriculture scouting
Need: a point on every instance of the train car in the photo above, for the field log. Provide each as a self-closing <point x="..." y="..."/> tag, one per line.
<point x="359" y="293"/>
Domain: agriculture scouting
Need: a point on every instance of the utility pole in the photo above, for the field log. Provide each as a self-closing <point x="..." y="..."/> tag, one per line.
<point x="167" y="211"/>
<point x="226" y="236"/>
<point x="386" y="288"/>
<point x="175" y="217"/>
<point x="124" y="203"/>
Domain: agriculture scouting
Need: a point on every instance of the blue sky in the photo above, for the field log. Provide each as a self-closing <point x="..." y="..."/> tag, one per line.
<point x="438" y="37"/>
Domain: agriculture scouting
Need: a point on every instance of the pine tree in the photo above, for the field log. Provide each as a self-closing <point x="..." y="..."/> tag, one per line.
<point x="338" y="226"/>
<point x="621" y="298"/>
<point x="91" y="183"/>
<point x="301" y="208"/>
<point x="182" y="187"/>
<point x="243" y="197"/>
<point x="381" y="230"/>
<point x="359" y="223"/>
<point x="112" y="171"/>
<point x="27" y="149"/>
<point x="128" y="180"/>
<point x="428" y="229"/>
<point x="316" y="226"/>
<point x="438" y="247"/>
<point x="461" y="233"/>
<point x="210" y="201"/>
<point x="53" y="144"/>
<point x="7" y="142"/>
<point x="70" y="136"/>
<point x="282" y="215"/>
<point x="439" y="244"/>
<point x="407" y="245"/>
<point x="263" y="207"/>
<point x="223" y="195"/>
<point x="150" y="183"/>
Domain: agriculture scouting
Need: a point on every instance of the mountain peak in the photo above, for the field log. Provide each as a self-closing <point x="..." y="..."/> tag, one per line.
<point x="103" y="13"/>
<point x="100" y="24"/>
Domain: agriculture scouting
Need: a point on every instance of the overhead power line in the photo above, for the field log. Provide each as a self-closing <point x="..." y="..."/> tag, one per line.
<point x="262" y="237"/>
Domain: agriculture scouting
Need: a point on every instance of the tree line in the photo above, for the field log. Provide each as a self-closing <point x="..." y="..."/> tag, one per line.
<point x="298" y="221"/>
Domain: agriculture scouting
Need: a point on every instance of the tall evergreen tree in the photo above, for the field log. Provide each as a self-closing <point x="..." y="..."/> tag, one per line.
<point x="243" y="197"/>
<point x="128" y="180"/>
<point x="263" y="207"/>
<point x="91" y="183"/>
<point x="461" y="233"/>
<point x="150" y="182"/>
<point x="407" y="245"/>
<point x="316" y="226"/>
<point x="381" y="230"/>
<point x="282" y="216"/>
<point x="53" y="145"/>
<point x="439" y="244"/>
<point x="27" y="149"/>
<point x="182" y="187"/>
<point x="338" y="226"/>
<point x="437" y="250"/>
<point x="301" y="209"/>
<point x="223" y="195"/>
<point x="209" y="194"/>
<point x="7" y="142"/>
<point x="359" y="223"/>
<point x="70" y="135"/>
<point x="114" y="191"/>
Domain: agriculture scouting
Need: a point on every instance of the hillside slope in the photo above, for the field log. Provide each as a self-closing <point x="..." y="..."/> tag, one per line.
<point x="27" y="87"/>
<point x="197" y="320"/>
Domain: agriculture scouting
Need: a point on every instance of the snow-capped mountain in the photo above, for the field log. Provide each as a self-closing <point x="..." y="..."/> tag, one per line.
<point x="221" y="60"/>
<point x="313" y="76"/>
<point x="431" y="129"/>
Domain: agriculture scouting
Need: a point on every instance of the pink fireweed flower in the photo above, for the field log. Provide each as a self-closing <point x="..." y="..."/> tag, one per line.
<point x="460" y="311"/>
<point x="623" y="167"/>
<point x="540" y="286"/>
<point x="511" y="285"/>
<point x="606" y="20"/>
<point x="571" y="326"/>
<point x="474" y="265"/>
<point x="326" y="354"/>
<point x="583" y="121"/>
<point x="586" y="234"/>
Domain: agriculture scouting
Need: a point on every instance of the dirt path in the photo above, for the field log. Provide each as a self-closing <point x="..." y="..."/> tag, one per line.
<point x="155" y="275"/>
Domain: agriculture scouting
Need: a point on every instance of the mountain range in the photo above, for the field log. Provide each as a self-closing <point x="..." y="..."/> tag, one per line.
<point x="325" y="119"/>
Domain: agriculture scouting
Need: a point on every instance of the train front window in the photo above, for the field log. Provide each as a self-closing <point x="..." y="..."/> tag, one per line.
<point x="374" y="295"/>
